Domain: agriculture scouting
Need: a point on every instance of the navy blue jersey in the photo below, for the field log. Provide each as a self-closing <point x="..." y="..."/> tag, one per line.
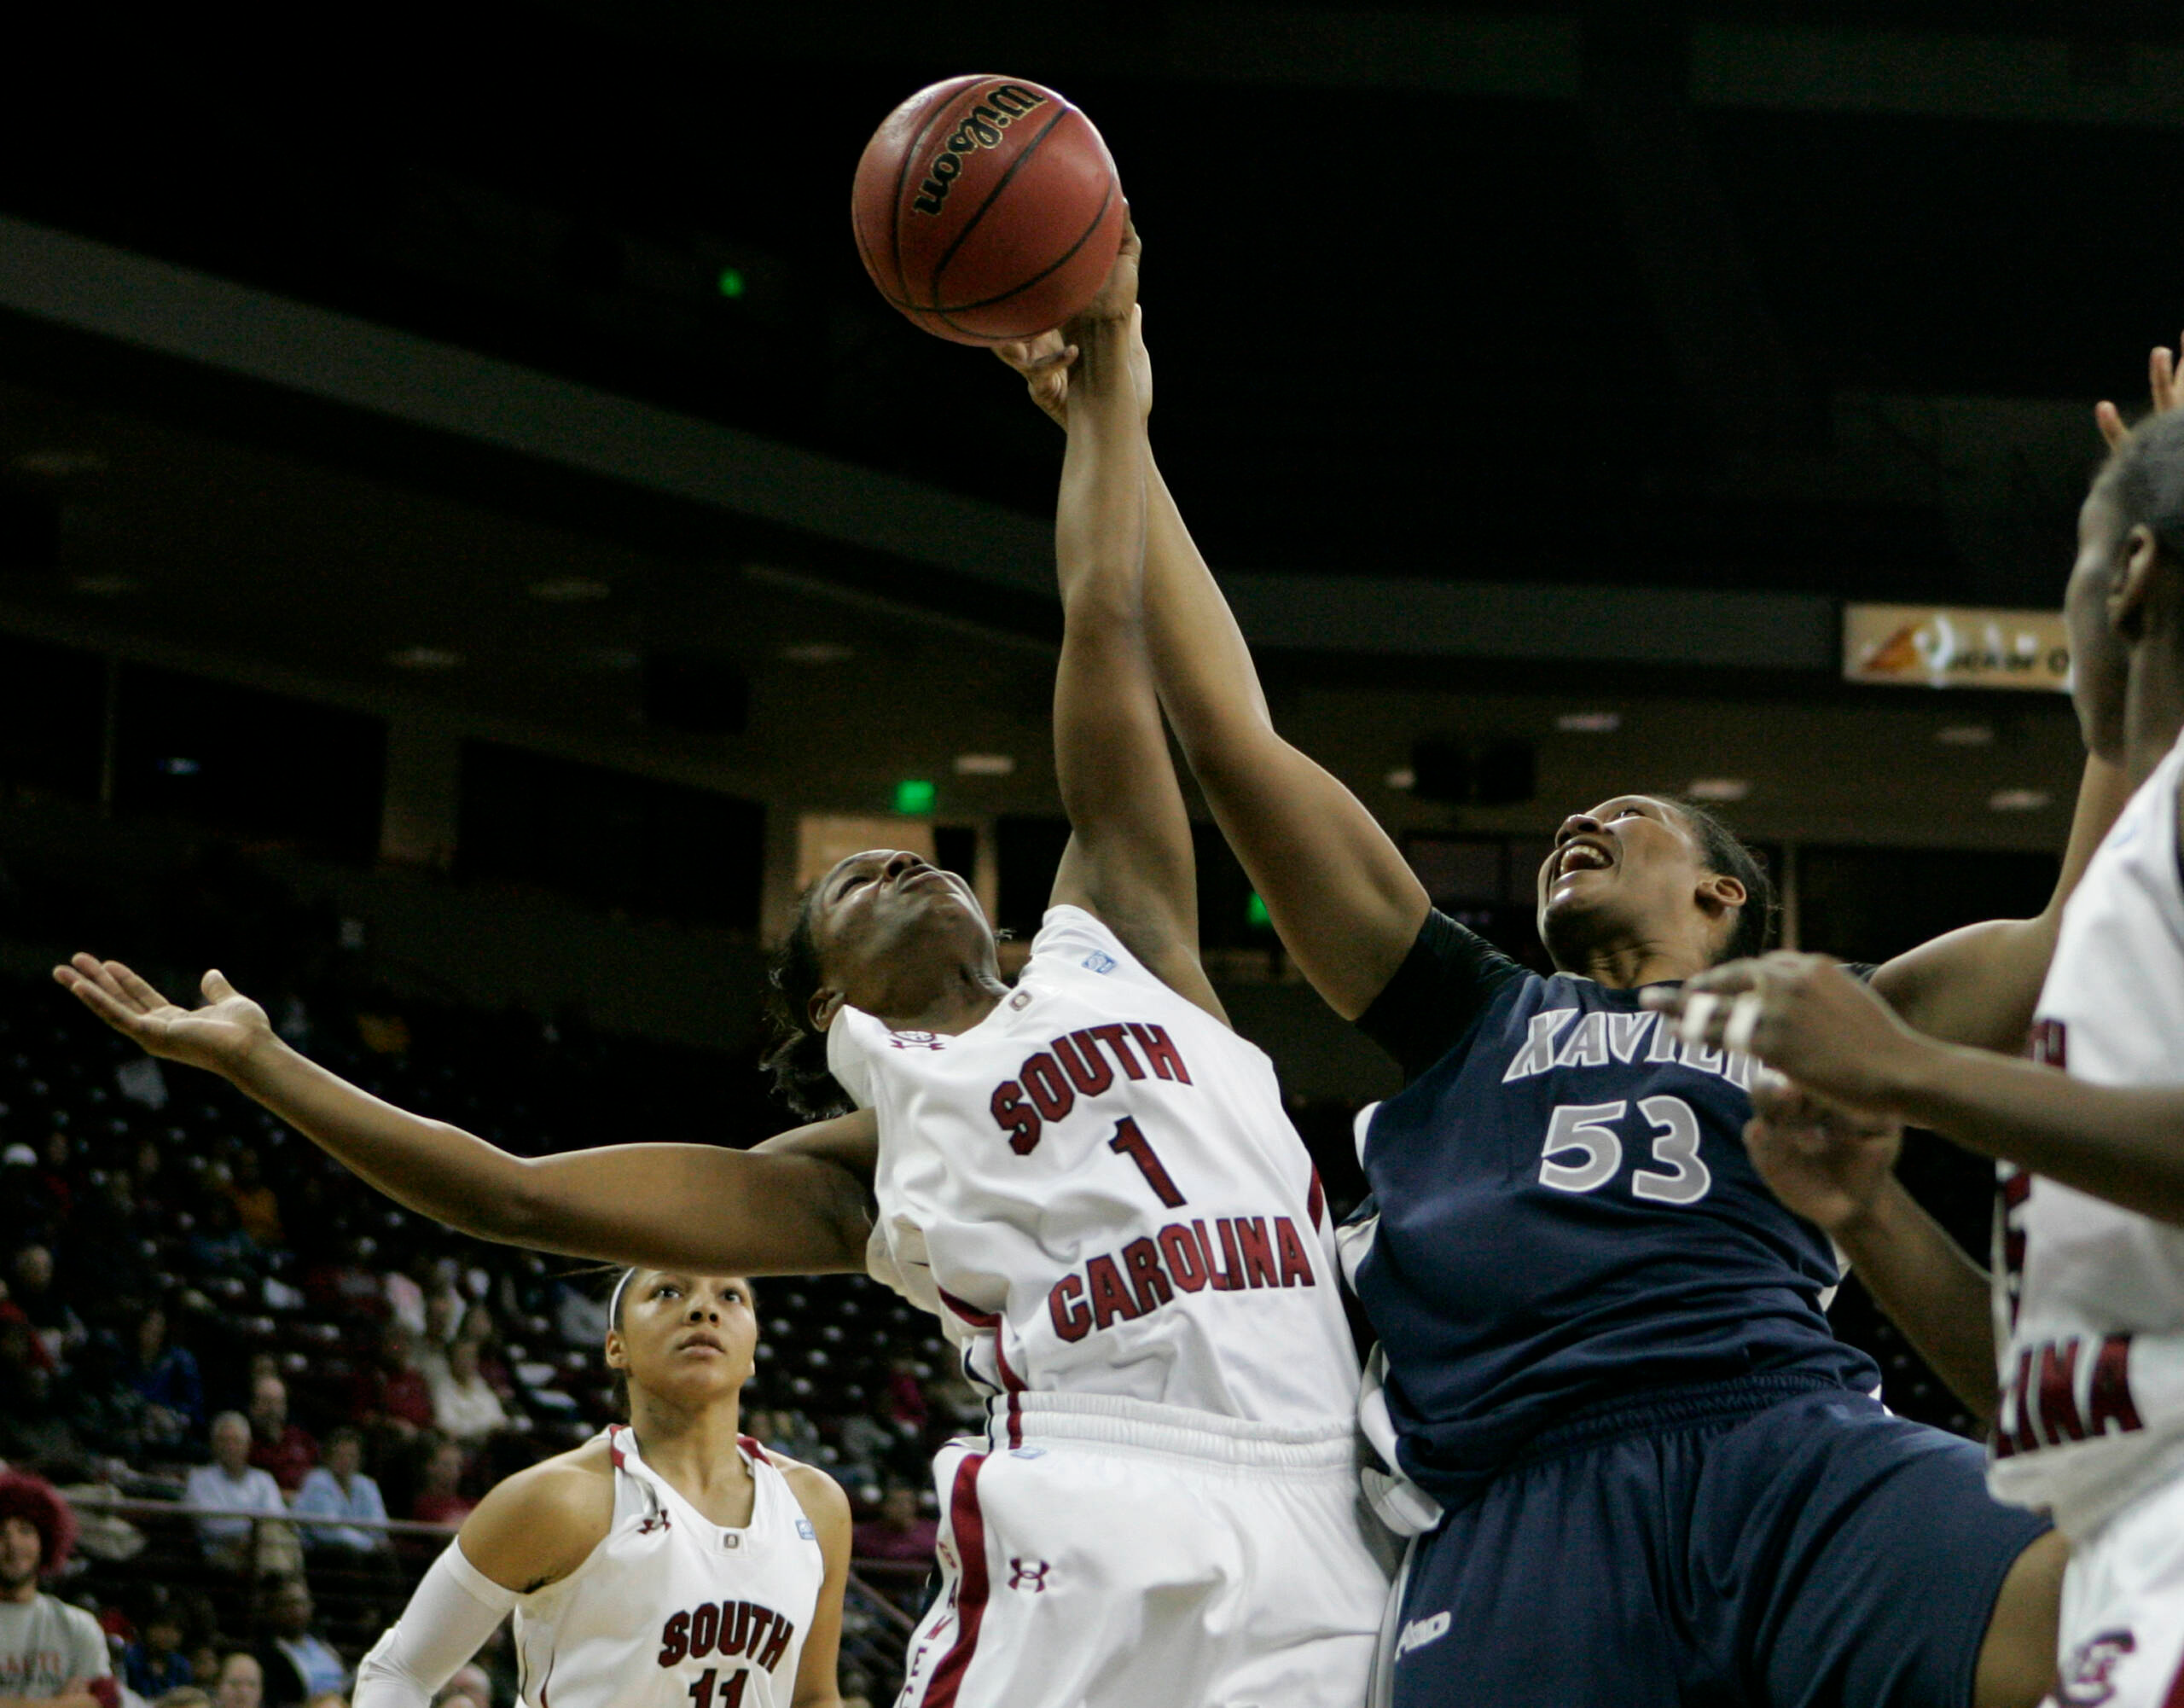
<point x="1568" y="1215"/>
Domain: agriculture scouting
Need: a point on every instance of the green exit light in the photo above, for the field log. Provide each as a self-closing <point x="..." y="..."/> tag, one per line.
<point x="914" y="797"/>
<point x="731" y="282"/>
<point x="1255" y="913"/>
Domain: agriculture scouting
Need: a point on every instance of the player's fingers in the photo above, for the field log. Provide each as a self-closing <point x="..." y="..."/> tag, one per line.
<point x="115" y="1014"/>
<point x="2110" y="420"/>
<point x="2161" y="373"/>
<point x="1697" y="1017"/>
<point x="1746" y="1012"/>
<point x="135" y="989"/>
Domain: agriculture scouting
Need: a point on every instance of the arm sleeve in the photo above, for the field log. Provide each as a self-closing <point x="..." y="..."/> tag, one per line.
<point x="1443" y="985"/>
<point x="455" y="1608"/>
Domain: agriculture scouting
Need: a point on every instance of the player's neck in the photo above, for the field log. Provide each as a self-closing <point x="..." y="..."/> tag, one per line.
<point x="20" y="1593"/>
<point x="1626" y="965"/>
<point x="694" y="1450"/>
<point x="2153" y="707"/>
<point x="958" y="1002"/>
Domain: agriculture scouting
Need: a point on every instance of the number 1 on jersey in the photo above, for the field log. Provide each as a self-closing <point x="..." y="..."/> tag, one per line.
<point x="701" y="1689"/>
<point x="1131" y="1142"/>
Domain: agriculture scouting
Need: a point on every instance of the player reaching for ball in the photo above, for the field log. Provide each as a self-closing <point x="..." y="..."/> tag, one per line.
<point x="2087" y="1286"/>
<point x="1088" y="1177"/>
<point x="1662" y="1476"/>
<point x="670" y="1561"/>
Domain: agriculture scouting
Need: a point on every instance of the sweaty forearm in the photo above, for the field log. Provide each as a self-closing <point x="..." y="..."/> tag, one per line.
<point x="1934" y="1294"/>
<point x="2122" y="1143"/>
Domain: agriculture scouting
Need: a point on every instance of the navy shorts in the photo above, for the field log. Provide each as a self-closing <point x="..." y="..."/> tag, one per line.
<point x="1758" y="1543"/>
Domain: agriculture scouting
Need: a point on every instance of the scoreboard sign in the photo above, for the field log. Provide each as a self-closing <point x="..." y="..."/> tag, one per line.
<point x="1944" y="646"/>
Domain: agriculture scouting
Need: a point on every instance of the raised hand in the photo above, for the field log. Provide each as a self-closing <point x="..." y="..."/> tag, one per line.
<point x="1823" y="1159"/>
<point x="219" y="1038"/>
<point x="1045" y="361"/>
<point x="2161" y="386"/>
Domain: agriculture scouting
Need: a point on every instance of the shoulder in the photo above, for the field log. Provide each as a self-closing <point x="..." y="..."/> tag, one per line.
<point x="1070" y="935"/>
<point x="821" y="1496"/>
<point x="84" y="1631"/>
<point x="541" y="1524"/>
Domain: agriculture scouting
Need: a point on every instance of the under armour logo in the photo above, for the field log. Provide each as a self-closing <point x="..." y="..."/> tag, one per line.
<point x="915" y="1041"/>
<point x="2087" y="1677"/>
<point x="1033" y="1577"/>
<point x="652" y="1521"/>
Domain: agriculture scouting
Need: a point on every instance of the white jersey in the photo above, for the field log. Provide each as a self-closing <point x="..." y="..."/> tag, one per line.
<point x="2089" y="1297"/>
<point x="671" y="1610"/>
<point x="1097" y="1191"/>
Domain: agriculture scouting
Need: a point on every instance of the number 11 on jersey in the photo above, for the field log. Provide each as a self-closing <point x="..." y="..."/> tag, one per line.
<point x="701" y="1689"/>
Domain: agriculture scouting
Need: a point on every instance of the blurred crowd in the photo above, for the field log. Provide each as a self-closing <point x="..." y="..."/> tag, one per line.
<point x="197" y="1308"/>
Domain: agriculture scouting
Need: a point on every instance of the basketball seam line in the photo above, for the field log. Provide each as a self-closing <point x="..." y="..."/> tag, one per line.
<point x="902" y="176"/>
<point x="1063" y="260"/>
<point x="993" y="196"/>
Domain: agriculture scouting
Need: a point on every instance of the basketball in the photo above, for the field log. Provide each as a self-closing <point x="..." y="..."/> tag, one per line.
<point x="987" y="209"/>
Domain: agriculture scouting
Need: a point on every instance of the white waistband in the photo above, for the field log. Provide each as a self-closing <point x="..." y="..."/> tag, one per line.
<point x="1110" y="1420"/>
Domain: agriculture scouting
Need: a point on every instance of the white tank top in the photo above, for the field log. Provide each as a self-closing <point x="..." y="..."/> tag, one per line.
<point x="2089" y="1297"/>
<point x="1097" y="1191"/>
<point x="671" y="1610"/>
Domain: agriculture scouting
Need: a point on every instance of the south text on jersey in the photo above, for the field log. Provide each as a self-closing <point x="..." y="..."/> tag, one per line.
<point x="1080" y="1064"/>
<point x="727" y="1628"/>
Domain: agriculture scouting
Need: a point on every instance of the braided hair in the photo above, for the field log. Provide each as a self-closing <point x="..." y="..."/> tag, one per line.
<point x="796" y="1050"/>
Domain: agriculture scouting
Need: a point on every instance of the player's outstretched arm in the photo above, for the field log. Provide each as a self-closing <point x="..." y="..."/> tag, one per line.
<point x="1978" y="984"/>
<point x="1837" y="1168"/>
<point x="665" y="1206"/>
<point x="1803" y="1015"/>
<point x="1129" y="857"/>
<point x="1343" y="898"/>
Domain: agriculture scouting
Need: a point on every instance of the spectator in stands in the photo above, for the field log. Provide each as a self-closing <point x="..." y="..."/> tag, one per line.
<point x="49" y="1652"/>
<point x="297" y="1663"/>
<point x="241" y="1681"/>
<point x="258" y="1211"/>
<point x="231" y="1484"/>
<point x="339" y="1489"/>
<point x="349" y="1286"/>
<point x="217" y="1244"/>
<point x="470" y="1687"/>
<point x="464" y="1405"/>
<point x="57" y="1177"/>
<point x="166" y="1375"/>
<point x="277" y="1446"/>
<point x="30" y="1285"/>
<point x="154" y="1664"/>
<point x="905" y="1401"/>
<point x="391" y="1393"/>
<point x="899" y="1532"/>
<point x="440" y="1500"/>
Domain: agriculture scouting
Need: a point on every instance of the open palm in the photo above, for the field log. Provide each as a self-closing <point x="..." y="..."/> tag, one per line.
<point x="218" y="1037"/>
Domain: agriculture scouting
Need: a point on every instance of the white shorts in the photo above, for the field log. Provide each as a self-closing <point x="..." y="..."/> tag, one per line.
<point x="1099" y="1551"/>
<point x="2123" y="1632"/>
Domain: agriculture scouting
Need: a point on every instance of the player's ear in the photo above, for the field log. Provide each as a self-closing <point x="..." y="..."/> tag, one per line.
<point x="826" y="1003"/>
<point x="2130" y="593"/>
<point x="1718" y="892"/>
<point x="618" y="1351"/>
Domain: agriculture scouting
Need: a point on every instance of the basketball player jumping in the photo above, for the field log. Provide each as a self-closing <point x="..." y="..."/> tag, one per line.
<point x="670" y="1561"/>
<point x="1088" y="1177"/>
<point x="2088" y="1288"/>
<point x="1663" y="1477"/>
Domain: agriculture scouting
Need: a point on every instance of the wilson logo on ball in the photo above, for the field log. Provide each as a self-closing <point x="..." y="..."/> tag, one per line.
<point x="981" y="129"/>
